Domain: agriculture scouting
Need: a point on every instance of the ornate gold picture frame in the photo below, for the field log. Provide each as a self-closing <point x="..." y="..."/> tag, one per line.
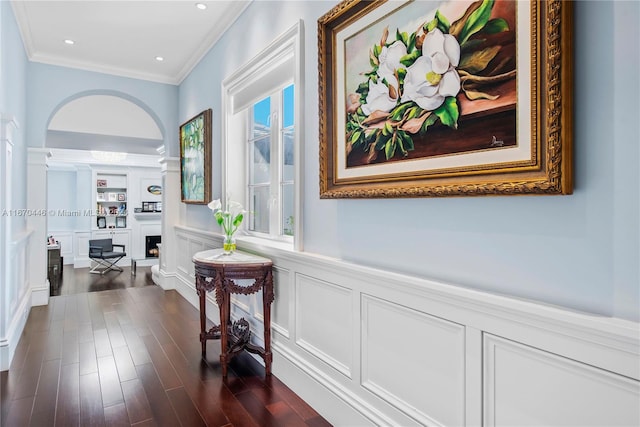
<point x="464" y="98"/>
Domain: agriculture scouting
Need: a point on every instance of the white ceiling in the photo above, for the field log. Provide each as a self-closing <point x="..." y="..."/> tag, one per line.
<point x="123" y="37"/>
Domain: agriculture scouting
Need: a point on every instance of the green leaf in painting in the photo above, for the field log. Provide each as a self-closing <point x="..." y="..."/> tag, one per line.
<point x="400" y="143"/>
<point x="443" y="22"/>
<point x="448" y="112"/>
<point x="432" y="24"/>
<point x="398" y="112"/>
<point x="406" y="140"/>
<point x="402" y="72"/>
<point x="477" y="61"/>
<point x="476" y="21"/>
<point x="413" y="111"/>
<point x="428" y="122"/>
<point x="381" y="141"/>
<point x="355" y="137"/>
<point x="410" y="58"/>
<point x="495" y="26"/>
<point x="373" y="60"/>
<point x="412" y="43"/>
<point x="390" y="149"/>
<point x="456" y="26"/>
<point x="471" y="45"/>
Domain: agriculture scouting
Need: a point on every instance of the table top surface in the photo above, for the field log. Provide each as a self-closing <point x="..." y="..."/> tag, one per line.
<point x="218" y="257"/>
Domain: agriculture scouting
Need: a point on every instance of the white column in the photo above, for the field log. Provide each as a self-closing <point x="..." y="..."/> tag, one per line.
<point x="170" y="171"/>
<point x="37" y="202"/>
<point x="7" y="289"/>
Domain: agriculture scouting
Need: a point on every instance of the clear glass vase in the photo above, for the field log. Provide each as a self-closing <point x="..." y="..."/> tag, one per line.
<point x="229" y="244"/>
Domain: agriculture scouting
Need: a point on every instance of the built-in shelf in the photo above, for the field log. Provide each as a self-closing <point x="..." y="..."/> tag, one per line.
<point x="111" y="200"/>
<point x="147" y="215"/>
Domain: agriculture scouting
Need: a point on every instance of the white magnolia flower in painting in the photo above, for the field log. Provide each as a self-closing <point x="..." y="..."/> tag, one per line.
<point x="384" y="97"/>
<point x="433" y="77"/>
<point x="381" y="96"/>
<point x="389" y="59"/>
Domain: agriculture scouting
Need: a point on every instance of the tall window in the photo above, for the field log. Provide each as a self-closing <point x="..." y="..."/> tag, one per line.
<point x="262" y="143"/>
<point x="270" y="164"/>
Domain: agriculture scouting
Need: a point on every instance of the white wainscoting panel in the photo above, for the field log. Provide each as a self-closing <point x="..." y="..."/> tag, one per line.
<point x="81" y="254"/>
<point x="281" y="307"/>
<point x="398" y="350"/>
<point x="15" y="303"/>
<point x="185" y="264"/>
<point x="194" y="247"/>
<point x="525" y="386"/>
<point x="324" y="324"/>
<point x="426" y="355"/>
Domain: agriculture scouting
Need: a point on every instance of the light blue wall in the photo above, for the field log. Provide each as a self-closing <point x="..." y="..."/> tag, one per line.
<point x="51" y="86"/>
<point x="61" y="196"/>
<point x="13" y="71"/>
<point x="579" y="251"/>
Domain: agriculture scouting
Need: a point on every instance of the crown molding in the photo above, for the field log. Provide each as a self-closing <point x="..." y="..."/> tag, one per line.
<point x="212" y="39"/>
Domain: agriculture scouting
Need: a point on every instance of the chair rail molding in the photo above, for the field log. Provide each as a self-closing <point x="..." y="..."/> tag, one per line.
<point x="395" y="318"/>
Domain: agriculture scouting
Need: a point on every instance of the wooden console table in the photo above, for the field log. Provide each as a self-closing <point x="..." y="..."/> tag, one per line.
<point x="216" y="271"/>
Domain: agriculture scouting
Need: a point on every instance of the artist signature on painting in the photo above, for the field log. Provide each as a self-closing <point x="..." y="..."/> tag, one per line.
<point x="496" y="142"/>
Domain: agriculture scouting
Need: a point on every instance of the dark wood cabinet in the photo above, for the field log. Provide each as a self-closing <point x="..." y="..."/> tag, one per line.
<point x="54" y="265"/>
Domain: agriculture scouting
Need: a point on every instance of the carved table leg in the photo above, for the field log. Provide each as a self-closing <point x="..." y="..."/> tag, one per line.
<point x="203" y="320"/>
<point x="223" y="299"/>
<point x="267" y="299"/>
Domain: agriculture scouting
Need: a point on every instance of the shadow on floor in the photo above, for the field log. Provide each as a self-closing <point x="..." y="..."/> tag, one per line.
<point x="79" y="280"/>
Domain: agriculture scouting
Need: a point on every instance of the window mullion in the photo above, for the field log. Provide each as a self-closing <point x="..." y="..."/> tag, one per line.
<point x="275" y="205"/>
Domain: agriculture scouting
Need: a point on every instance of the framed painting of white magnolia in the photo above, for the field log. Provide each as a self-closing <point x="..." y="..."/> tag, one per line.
<point x="445" y="98"/>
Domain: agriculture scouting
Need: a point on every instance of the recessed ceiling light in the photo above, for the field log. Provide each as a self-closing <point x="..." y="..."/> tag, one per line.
<point x="201" y="6"/>
<point x="69" y="41"/>
<point x="159" y="58"/>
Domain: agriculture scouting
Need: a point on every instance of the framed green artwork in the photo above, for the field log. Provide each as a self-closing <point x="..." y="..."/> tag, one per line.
<point x="195" y="159"/>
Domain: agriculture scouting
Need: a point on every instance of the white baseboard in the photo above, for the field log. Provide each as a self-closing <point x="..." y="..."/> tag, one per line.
<point x="81" y="263"/>
<point x="40" y="295"/>
<point x="146" y="262"/>
<point x="337" y="406"/>
<point x="166" y="280"/>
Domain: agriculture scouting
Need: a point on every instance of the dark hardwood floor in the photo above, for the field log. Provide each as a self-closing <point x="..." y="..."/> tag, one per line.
<point x="131" y="356"/>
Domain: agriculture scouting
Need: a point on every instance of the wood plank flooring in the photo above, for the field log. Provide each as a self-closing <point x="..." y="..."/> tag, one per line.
<point x="131" y="357"/>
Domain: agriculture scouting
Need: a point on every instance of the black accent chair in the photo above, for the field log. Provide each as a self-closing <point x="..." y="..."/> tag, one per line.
<point x="102" y="252"/>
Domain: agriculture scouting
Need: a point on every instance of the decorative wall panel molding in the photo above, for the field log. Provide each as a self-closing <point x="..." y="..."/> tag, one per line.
<point x="283" y="304"/>
<point x="324" y="324"/>
<point x="402" y="350"/>
<point x="528" y="386"/>
<point x="399" y="339"/>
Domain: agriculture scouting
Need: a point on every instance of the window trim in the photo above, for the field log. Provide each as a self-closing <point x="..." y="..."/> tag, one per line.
<point x="288" y="46"/>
